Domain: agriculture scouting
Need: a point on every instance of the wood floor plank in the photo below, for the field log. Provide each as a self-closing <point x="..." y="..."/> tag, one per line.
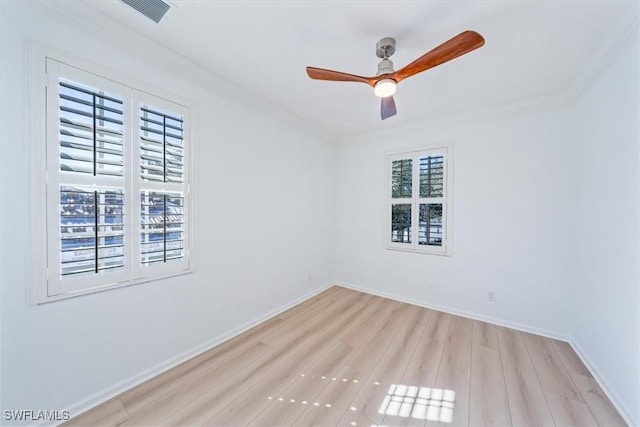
<point x="107" y="414"/>
<point x="600" y="406"/>
<point x="454" y="370"/>
<point x="488" y="402"/>
<point x="484" y="334"/>
<point x="201" y="405"/>
<point x="568" y="412"/>
<point x="176" y="399"/>
<point x="423" y="366"/>
<point x="333" y="400"/>
<point x="245" y="408"/>
<point x="358" y="335"/>
<point x="389" y="370"/>
<point x="246" y="395"/>
<point x="310" y="316"/>
<point x="339" y="325"/>
<point x="337" y="357"/>
<point x="149" y="391"/>
<point x="304" y="389"/>
<point x="550" y="370"/>
<point x="343" y="388"/>
<point x="323" y="299"/>
<point x="309" y="324"/>
<point x="365" y="358"/>
<point x="569" y="358"/>
<point x="527" y="404"/>
<point x="422" y="369"/>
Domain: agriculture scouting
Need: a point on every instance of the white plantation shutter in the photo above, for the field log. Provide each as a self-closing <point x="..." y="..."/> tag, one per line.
<point x="91" y="142"/>
<point x="162" y="227"/>
<point x="91" y="230"/>
<point x="117" y="184"/>
<point x="91" y="130"/>
<point x="161" y="145"/>
<point x="162" y="193"/>
<point x="86" y="238"/>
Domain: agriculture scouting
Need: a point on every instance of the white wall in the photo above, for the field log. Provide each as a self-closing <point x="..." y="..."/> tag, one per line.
<point x="545" y="214"/>
<point x="265" y="207"/>
<point x="509" y="225"/>
<point x="606" y="327"/>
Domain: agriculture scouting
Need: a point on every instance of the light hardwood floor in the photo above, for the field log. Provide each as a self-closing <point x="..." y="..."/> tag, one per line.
<point x="348" y="358"/>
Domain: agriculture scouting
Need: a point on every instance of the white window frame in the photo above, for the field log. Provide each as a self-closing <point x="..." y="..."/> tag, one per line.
<point x="446" y="150"/>
<point x="43" y="174"/>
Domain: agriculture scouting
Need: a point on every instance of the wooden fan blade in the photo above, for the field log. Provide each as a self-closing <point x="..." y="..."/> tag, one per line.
<point x="387" y="107"/>
<point x="338" y="76"/>
<point x="463" y="43"/>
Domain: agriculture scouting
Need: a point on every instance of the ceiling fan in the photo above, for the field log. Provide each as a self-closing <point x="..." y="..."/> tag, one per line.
<point x="384" y="83"/>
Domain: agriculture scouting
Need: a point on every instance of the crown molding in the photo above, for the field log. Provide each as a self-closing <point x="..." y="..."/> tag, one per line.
<point x="139" y="45"/>
<point x="619" y="36"/>
<point x="522" y="108"/>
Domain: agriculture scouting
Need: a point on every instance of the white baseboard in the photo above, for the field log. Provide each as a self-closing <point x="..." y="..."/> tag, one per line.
<point x="513" y="325"/>
<point x="628" y="417"/>
<point x="100" y="397"/>
<point x="462" y="313"/>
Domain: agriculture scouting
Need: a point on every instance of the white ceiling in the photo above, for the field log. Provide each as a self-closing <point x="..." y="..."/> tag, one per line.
<point x="534" y="51"/>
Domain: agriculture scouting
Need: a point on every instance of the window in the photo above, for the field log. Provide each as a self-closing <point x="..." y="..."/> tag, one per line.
<point x="419" y="201"/>
<point x="117" y="184"/>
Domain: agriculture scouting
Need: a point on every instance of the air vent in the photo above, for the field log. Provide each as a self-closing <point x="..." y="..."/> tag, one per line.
<point x="152" y="9"/>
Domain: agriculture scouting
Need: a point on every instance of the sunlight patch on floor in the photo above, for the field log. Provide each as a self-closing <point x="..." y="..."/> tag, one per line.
<point x="421" y="403"/>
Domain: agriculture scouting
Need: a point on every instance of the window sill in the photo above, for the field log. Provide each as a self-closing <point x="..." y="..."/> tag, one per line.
<point x="440" y="251"/>
<point x="43" y="299"/>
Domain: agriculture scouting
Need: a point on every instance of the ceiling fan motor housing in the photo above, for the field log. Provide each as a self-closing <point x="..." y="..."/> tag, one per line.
<point x="385" y="47"/>
<point x="385" y="67"/>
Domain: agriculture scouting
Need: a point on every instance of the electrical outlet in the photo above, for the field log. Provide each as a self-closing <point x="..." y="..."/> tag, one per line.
<point x="491" y="296"/>
<point x="309" y="277"/>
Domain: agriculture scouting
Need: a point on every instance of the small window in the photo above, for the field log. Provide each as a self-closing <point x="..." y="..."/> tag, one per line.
<point x="419" y="201"/>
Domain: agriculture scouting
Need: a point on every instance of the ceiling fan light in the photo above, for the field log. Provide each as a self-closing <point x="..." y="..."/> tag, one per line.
<point x="384" y="88"/>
